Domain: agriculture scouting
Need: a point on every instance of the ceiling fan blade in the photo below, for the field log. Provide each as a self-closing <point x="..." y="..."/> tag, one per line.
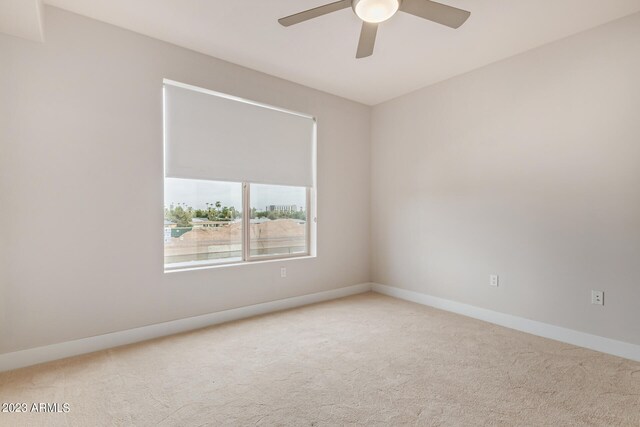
<point x="367" y="39"/>
<point x="436" y="12"/>
<point x="314" y="13"/>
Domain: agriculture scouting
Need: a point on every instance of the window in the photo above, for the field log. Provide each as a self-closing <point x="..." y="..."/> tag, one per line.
<point x="239" y="180"/>
<point x="202" y="222"/>
<point x="278" y="220"/>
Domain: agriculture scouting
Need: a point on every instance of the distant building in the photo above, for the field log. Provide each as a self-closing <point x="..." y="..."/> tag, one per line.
<point x="282" y="208"/>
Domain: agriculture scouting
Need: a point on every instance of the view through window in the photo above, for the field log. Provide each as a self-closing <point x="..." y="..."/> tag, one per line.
<point x="278" y="220"/>
<point x="202" y="221"/>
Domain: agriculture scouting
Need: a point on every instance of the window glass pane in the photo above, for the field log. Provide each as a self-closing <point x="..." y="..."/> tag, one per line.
<point x="278" y="220"/>
<point x="202" y="222"/>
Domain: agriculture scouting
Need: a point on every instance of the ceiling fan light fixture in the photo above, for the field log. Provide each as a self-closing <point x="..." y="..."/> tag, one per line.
<point x="375" y="11"/>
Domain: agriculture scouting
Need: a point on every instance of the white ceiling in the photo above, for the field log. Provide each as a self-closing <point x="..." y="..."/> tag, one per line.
<point x="410" y="52"/>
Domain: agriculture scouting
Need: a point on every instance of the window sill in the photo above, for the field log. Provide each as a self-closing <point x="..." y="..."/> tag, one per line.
<point x="238" y="263"/>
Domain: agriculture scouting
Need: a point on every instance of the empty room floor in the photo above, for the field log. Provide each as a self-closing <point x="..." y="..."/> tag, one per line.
<point x="367" y="359"/>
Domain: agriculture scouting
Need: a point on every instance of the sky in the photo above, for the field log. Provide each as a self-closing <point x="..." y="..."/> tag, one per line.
<point x="196" y="193"/>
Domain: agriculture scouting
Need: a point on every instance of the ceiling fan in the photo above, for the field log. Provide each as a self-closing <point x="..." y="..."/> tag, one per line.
<point x="373" y="12"/>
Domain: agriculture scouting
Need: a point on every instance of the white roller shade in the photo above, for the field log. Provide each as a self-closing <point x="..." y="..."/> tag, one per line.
<point x="216" y="137"/>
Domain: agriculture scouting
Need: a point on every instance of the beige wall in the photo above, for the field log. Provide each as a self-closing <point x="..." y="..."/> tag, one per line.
<point x="81" y="186"/>
<point x="528" y="168"/>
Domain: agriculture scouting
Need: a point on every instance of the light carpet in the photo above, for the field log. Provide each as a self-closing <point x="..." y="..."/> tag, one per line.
<point x="362" y="360"/>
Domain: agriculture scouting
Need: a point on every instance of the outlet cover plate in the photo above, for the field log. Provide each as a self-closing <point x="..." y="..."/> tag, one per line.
<point x="597" y="297"/>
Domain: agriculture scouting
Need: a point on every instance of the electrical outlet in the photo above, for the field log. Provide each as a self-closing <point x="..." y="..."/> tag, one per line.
<point x="283" y="272"/>
<point x="597" y="297"/>
<point x="493" y="280"/>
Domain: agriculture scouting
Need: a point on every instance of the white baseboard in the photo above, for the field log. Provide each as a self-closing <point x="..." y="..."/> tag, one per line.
<point x="32" y="356"/>
<point x="52" y="352"/>
<point x="569" y="336"/>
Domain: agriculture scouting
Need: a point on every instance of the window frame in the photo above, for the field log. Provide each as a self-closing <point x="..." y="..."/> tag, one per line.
<point x="311" y="193"/>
